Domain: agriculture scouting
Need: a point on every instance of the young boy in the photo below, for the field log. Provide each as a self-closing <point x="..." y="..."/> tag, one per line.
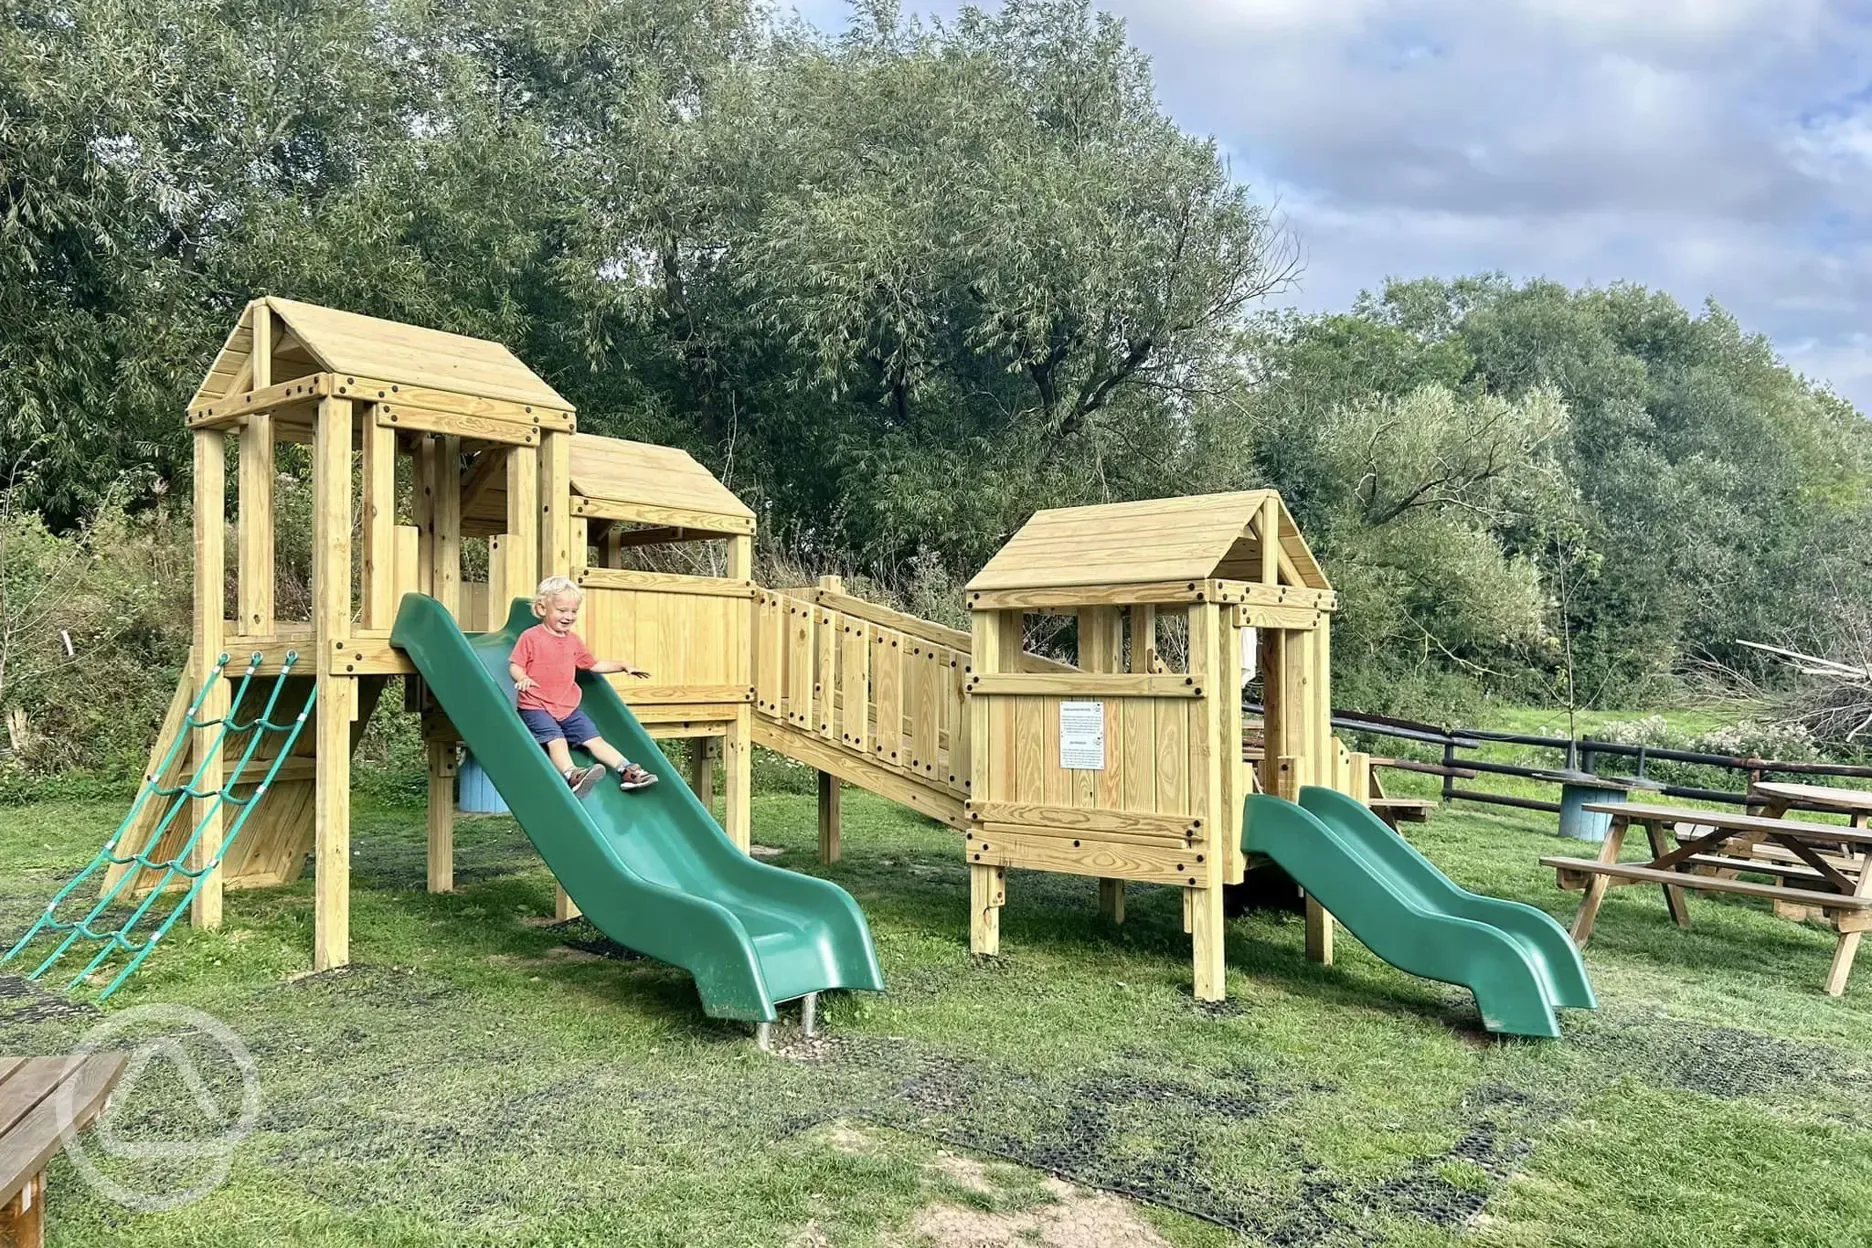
<point x="545" y="666"/>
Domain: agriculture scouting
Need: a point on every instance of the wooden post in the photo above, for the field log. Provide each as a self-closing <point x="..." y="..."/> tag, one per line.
<point x="505" y="581"/>
<point x="987" y="894"/>
<point x="442" y="769"/>
<point x="1144" y="639"/>
<point x="1233" y="772"/>
<point x="1206" y="790"/>
<point x="1327" y="744"/>
<point x="337" y="695"/>
<point x="578" y="544"/>
<point x="738" y="786"/>
<point x="446" y="575"/>
<point x="378" y="508"/>
<point x="406" y="540"/>
<point x="22" y="1221"/>
<point x="828" y="817"/>
<point x="1285" y="682"/>
<point x="255" y="556"/>
<point x="1297" y="737"/>
<point x="1267" y="527"/>
<point x="1101" y="649"/>
<point x="702" y="752"/>
<point x="1273" y="710"/>
<point x="1143" y="662"/>
<point x="1317" y="743"/>
<point x="523" y="521"/>
<point x="995" y="647"/>
<point x="555" y="506"/>
<point x="1112" y="901"/>
<point x="553" y="484"/>
<point x="208" y="813"/>
<point x="738" y="742"/>
<point x="422" y="509"/>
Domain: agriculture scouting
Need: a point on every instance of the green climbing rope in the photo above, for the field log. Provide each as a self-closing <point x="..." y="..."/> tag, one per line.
<point x="119" y="938"/>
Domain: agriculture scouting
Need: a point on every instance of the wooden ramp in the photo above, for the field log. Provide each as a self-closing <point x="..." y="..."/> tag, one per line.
<point x="867" y="695"/>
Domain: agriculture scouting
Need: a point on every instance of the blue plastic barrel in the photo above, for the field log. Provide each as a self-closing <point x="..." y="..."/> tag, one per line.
<point x="478" y="794"/>
<point x="1578" y="822"/>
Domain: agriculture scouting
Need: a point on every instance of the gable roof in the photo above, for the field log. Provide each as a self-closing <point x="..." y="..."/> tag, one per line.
<point x="310" y="339"/>
<point x="615" y="471"/>
<point x="642" y="472"/>
<point x="1193" y="538"/>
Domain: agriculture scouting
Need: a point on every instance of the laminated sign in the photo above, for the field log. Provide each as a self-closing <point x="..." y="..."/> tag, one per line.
<point x="1082" y="736"/>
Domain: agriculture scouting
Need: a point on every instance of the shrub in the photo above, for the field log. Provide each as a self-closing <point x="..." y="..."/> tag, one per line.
<point x="1749" y="738"/>
<point x="94" y="629"/>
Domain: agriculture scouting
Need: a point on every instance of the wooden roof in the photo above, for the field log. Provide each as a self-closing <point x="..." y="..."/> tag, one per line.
<point x="615" y="471"/>
<point x="1161" y="539"/>
<point x="642" y="472"/>
<point x="312" y="339"/>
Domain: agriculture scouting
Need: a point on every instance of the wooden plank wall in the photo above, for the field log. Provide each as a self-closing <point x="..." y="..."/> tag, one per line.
<point x="1144" y="816"/>
<point x="691" y="636"/>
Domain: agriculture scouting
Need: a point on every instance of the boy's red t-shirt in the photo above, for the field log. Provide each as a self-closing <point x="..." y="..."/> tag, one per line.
<point x="554" y="662"/>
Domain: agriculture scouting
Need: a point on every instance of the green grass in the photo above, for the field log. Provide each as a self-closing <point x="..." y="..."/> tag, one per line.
<point x="1538" y="721"/>
<point x="474" y="1080"/>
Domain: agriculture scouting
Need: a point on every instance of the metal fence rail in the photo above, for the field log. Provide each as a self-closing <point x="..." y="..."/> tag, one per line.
<point x="1582" y="754"/>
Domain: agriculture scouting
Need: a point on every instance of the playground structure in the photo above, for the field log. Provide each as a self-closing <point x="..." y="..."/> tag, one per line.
<point x="1162" y="801"/>
<point x="1126" y="765"/>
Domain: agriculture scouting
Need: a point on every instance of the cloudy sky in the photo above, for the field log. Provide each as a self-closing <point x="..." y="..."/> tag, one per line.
<point x="1706" y="147"/>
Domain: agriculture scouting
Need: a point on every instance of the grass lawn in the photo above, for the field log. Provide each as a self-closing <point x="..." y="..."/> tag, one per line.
<point x="1537" y="721"/>
<point x="482" y="1077"/>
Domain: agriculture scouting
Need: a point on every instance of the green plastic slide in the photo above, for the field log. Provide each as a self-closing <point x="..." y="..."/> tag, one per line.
<point x="1520" y="964"/>
<point x="651" y="868"/>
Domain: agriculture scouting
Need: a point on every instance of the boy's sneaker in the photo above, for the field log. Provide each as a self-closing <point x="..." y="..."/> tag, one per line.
<point x="635" y="777"/>
<point x="584" y="779"/>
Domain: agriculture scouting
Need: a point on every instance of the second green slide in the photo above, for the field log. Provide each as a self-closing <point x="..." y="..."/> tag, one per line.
<point x="650" y="868"/>
<point x="1520" y="964"/>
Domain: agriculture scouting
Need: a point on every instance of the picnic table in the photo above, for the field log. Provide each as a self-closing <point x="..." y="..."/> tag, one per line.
<point x="44" y="1101"/>
<point x="1703" y="850"/>
<point x="1777" y="799"/>
<point x="1396" y="810"/>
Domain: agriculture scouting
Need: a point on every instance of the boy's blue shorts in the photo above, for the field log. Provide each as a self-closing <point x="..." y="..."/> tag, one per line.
<point x="576" y="728"/>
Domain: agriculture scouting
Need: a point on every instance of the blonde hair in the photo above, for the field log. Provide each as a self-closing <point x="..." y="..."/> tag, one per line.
<point x="555" y="587"/>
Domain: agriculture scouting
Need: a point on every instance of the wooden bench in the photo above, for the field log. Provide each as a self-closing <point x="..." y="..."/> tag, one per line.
<point x="1396" y="810"/>
<point x="44" y="1101"/>
<point x="1706" y="850"/>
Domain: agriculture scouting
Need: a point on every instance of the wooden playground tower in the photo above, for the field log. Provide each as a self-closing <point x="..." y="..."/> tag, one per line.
<point x="1132" y="766"/>
<point x="1125" y="766"/>
<point x="482" y="447"/>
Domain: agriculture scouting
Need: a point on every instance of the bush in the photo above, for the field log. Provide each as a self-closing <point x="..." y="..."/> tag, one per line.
<point x="94" y="629"/>
<point x="1748" y="738"/>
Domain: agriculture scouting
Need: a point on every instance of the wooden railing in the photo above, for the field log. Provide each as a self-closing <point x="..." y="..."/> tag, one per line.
<point x="869" y="682"/>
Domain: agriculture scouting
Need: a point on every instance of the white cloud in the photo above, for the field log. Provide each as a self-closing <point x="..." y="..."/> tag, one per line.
<point x="1705" y="147"/>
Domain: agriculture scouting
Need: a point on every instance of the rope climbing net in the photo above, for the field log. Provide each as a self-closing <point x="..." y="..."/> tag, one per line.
<point x="230" y="737"/>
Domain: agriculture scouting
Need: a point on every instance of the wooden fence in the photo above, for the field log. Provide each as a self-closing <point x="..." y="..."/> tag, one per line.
<point x="1458" y="747"/>
<point x="876" y="687"/>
